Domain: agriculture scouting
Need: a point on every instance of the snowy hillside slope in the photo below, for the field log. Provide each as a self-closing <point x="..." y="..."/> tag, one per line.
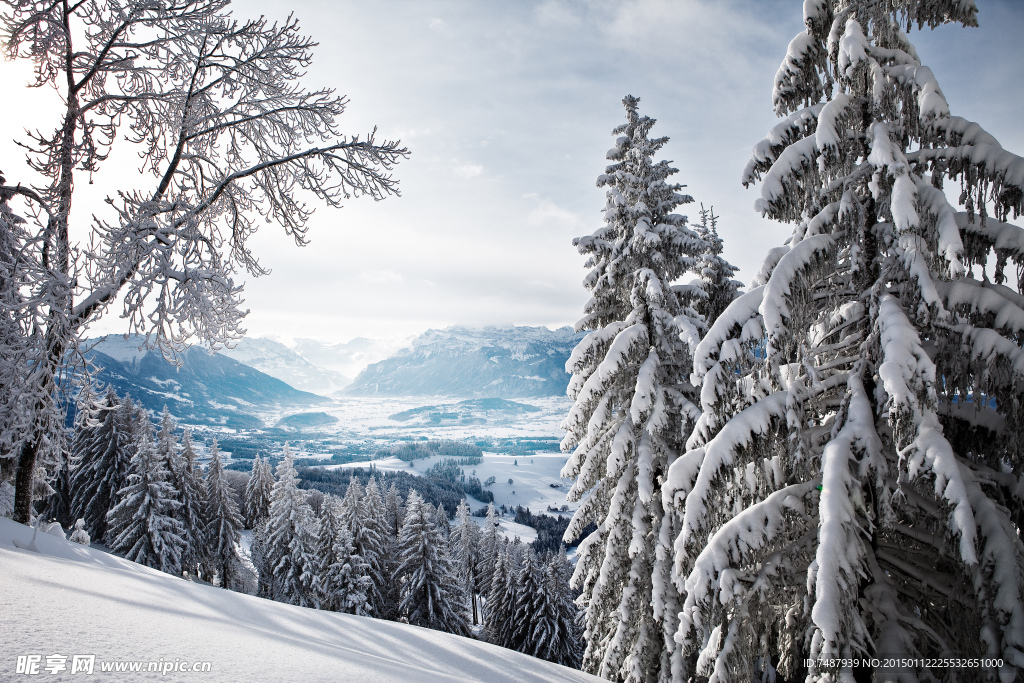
<point x="277" y="360"/>
<point x="504" y="362"/>
<point x="72" y="600"/>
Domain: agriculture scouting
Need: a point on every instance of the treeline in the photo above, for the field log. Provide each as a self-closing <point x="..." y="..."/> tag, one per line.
<point x="437" y="490"/>
<point x="413" y="450"/>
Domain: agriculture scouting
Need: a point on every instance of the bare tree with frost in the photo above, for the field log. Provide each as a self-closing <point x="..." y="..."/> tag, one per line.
<point x="633" y="404"/>
<point x="229" y="138"/>
<point x="855" y="484"/>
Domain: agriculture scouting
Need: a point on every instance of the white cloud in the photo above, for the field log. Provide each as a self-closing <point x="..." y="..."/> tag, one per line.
<point x="380" y="276"/>
<point x="436" y="24"/>
<point x="547" y="213"/>
<point x="467" y="170"/>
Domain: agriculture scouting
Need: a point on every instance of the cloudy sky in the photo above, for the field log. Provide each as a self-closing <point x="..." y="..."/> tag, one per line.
<point x="507" y="109"/>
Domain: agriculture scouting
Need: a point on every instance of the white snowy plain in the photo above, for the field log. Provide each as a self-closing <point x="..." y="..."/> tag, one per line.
<point x="66" y="599"/>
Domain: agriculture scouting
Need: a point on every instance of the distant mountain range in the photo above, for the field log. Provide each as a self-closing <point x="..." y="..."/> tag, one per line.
<point x="503" y="362"/>
<point x="227" y="388"/>
<point x="206" y="389"/>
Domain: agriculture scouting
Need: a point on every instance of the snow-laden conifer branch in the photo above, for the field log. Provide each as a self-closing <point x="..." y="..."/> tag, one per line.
<point x="875" y="358"/>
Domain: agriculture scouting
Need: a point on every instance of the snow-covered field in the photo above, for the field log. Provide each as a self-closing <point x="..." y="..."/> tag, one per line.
<point x="370" y="417"/>
<point x="532" y="477"/>
<point x="63" y="600"/>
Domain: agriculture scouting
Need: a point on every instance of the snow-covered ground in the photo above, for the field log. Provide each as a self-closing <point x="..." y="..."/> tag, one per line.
<point x="369" y="417"/>
<point x="63" y="600"/>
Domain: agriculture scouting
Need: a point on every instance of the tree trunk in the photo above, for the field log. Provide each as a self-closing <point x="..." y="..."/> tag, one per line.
<point x="23" y="482"/>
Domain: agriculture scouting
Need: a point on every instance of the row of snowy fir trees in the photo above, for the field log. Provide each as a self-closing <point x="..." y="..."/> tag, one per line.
<point x="829" y="466"/>
<point x="144" y="496"/>
<point x="371" y="553"/>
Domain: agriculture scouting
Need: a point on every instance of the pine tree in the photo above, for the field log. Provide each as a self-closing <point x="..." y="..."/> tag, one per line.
<point x="430" y="594"/>
<point x="329" y="527"/>
<point x="632" y="402"/>
<point x="141" y="526"/>
<point x="373" y="545"/>
<point x="290" y="541"/>
<point x="258" y="491"/>
<point x="351" y="505"/>
<point x="347" y="582"/>
<point x="441" y="523"/>
<point x="488" y="551"/>
<point x="500" y="606"/>
<point x="188" y="481"/>
<point x="848" y="491"/>
<point x="395" y="516"/>
<point x="555" y="634"/>
<point x="465" y="546"/>
<point x="104" y="463"/>
<point x="222" y="522"/>
<point x="715" y="274"/>
<point x="528" y="581"/>
<point x="60" y="505"/>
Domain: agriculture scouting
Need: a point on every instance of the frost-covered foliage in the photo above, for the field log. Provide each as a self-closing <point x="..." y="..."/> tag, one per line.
<point x="141" y="526"/>
<point x="430" y="590"/>
<point x="227" y="138"/>
<point x="633" y="403"/>
<point x="80" y="535"/>
<point x="32" y="438"/>
<point x="222" y="522"/>
<point x="855" y="484"/>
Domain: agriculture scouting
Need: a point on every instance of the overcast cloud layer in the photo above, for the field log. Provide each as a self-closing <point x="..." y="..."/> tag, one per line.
<point x="507" y="109"/>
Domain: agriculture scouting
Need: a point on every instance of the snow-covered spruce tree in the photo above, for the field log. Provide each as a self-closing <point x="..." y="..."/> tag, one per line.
<point x="501" y="596"/>
<point x="487" y="556"/>
<point x="430" y="591"/>
<point x="465" y="547"/>
<point x="141" y="526"/>
<point x="188" y="481"/>
<point x="554" y="632"/>
<point x="103" y="464"/>
<point x="185" y="83"/>
<point x="222" y="522"/>
<point x="373" y="545"/>
<point x="290" y="540"/>
<point x="60" y="505"/>
<point x="346" y="583"/>
<point x="327" y="531"/>
<point x="258" y="490"/>
<point x="351" y="505"/>
<point x="528" y="580"/>
<point x="714" y="273"/>
<point x="854" y="487"/>
<point x="633" y="402"/>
